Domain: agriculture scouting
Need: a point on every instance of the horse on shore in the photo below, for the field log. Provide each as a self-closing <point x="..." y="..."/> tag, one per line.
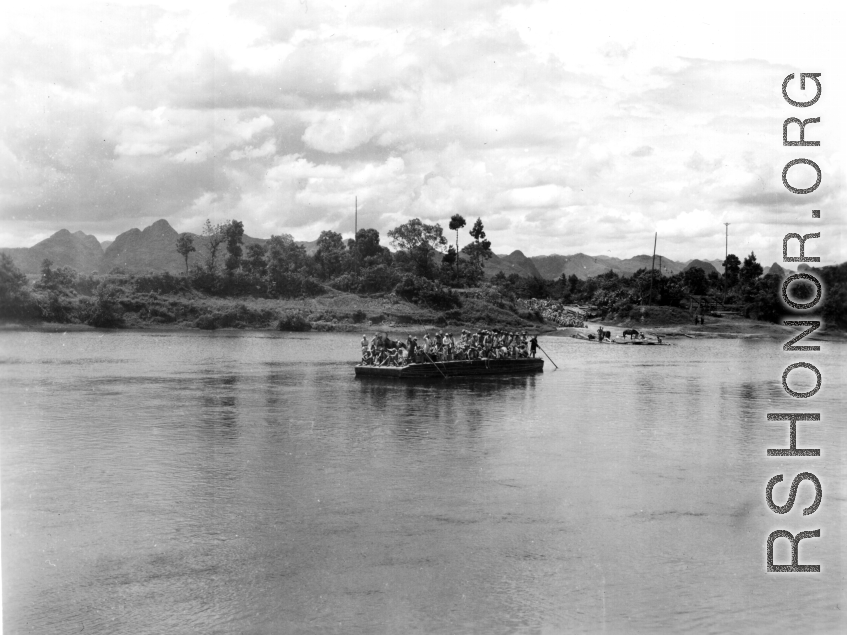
<point x="631" y="332"/>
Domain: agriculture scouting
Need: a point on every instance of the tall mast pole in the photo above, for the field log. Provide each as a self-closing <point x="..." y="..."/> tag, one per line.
<point x="356" y="234"/>
<point x="653" y="266"/>
<point x="726" y="255"/>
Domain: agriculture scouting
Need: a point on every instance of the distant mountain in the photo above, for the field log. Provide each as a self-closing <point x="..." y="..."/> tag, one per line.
<point x="154" y="249"/>
<point x="515" y="262"/>
<point x="630" y="265"/>
<point x="777" y="269"/>
<point x="583" y="266"/>
<point x="135" y="251"/>
<point x="151" y="249"/>
<point x="78" y="250"/>
<point x="705" y="265"/>
<point x="580" y="265"/>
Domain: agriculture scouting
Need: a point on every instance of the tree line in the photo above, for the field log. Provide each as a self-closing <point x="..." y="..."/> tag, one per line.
<point x="281" y="267"/>
<point x="742" y="287"/>
<point x="423" y="268"/>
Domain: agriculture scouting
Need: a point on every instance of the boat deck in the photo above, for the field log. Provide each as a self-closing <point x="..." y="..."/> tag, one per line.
<point x="456" y="368"/>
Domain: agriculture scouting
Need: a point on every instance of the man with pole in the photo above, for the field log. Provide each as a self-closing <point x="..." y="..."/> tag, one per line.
<point x="534" y="344"/>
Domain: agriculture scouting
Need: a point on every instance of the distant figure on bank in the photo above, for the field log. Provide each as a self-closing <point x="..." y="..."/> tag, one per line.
<point x="599" y="333"/>
<point x="533" y="344"/>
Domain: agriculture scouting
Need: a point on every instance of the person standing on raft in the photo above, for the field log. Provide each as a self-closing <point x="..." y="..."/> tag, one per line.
<point x="533" y="344"/>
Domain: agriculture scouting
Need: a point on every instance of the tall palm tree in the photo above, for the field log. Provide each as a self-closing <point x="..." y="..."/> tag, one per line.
<point x="457" y="221"/>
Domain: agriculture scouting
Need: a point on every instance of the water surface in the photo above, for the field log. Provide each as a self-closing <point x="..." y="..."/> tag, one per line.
<point x="187" y="482"/>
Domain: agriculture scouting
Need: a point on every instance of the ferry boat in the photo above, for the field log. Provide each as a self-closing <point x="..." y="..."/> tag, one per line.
<point x="628" y="342"/>
<point x="455" y="368"/>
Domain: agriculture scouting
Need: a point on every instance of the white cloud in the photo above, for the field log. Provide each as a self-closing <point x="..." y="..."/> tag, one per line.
<point x="268" y="148"/>
<point x="565" y="127"/>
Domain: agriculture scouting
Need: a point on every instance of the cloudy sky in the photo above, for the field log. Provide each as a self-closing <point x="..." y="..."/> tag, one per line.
<point x="566" y="127"/>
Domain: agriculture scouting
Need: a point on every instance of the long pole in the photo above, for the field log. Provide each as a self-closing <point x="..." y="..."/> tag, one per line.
<point x="653" y="266"/>
<point x="726" y="246"/>
<point x="434" y="363"/>
<point x="726" y="255"/>
<point x="548" y="357"/>
<point x="356" y="234"/>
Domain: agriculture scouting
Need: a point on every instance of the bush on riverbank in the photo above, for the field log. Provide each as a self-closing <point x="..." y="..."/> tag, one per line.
<point x="16" y="300"/>
<point x="293" y="321"/>
<point x="422" y="291"/>
<point x="103" y="310"/>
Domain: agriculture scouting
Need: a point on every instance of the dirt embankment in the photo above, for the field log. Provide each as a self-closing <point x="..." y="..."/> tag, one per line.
<point x="335" y="311"/>
<point x="725" y="327"/>
<point x="346" y="312"/>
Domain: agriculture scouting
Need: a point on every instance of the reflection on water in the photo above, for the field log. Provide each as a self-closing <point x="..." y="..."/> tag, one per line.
<point x="249" y="483"/>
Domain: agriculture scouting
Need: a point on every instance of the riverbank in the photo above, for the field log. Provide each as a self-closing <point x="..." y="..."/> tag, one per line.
<point x="714" y="328"/>
<point x="346" y="312"/>
<point x="335" y="311"/>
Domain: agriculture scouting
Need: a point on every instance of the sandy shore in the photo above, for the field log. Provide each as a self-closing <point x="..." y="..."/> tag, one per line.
<point x="716" y="328"/>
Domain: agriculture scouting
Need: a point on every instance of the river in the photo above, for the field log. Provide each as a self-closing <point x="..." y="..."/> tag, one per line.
<point x="247" y="482"/>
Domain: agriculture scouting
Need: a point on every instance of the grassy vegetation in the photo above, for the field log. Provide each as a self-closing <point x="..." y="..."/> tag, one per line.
<point x="242" y="301"/>
<point x="165" y="301"/>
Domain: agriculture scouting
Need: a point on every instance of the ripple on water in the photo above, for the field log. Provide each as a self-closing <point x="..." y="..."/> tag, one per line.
<point x="238" y="482"/>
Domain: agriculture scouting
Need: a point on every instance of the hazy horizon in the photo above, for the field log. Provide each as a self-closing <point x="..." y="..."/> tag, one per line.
<point x="385" y="242"/>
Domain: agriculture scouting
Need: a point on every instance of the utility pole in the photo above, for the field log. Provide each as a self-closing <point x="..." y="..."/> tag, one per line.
<point x="356" y="233"/>
<point x="726" y="255"/>
<point x="653" y="266"/>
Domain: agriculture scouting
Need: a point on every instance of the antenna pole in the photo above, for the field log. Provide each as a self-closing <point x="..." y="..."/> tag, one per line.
<point x="653" y="266"/>
<point x="356" y="234"/>
<point x="726" y="255"/>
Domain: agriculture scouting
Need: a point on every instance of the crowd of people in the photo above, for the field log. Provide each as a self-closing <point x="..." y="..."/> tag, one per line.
<point x="445" y="347"/>
<point x="554" y="313"/>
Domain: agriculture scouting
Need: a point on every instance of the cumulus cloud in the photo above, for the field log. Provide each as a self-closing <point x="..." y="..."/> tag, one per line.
<point x="561" y="139"/>
<point x="642" y="151"/>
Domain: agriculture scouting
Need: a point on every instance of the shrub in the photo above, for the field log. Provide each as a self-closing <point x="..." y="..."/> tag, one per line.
<point x="453" y="315"/>
<point x="15" y="298"/>
<point x="290" y="285"/>
<point x="238" y="316"/>
<point x="207" y="322"/>
<point x="422" y="291"/>
<point x="293" y="321"/>
<point x="105" y="310"/>
<point x="311" y="287"/>
<point x="375" y="279"/>
<point x="55" y="307"/>
<point x="163" y="283"/>
<point x="61" y="280"/>
<point x="86" y="284"/>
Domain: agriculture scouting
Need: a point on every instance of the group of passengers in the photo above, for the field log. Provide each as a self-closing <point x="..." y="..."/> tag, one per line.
<point x="444" y="347"/>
